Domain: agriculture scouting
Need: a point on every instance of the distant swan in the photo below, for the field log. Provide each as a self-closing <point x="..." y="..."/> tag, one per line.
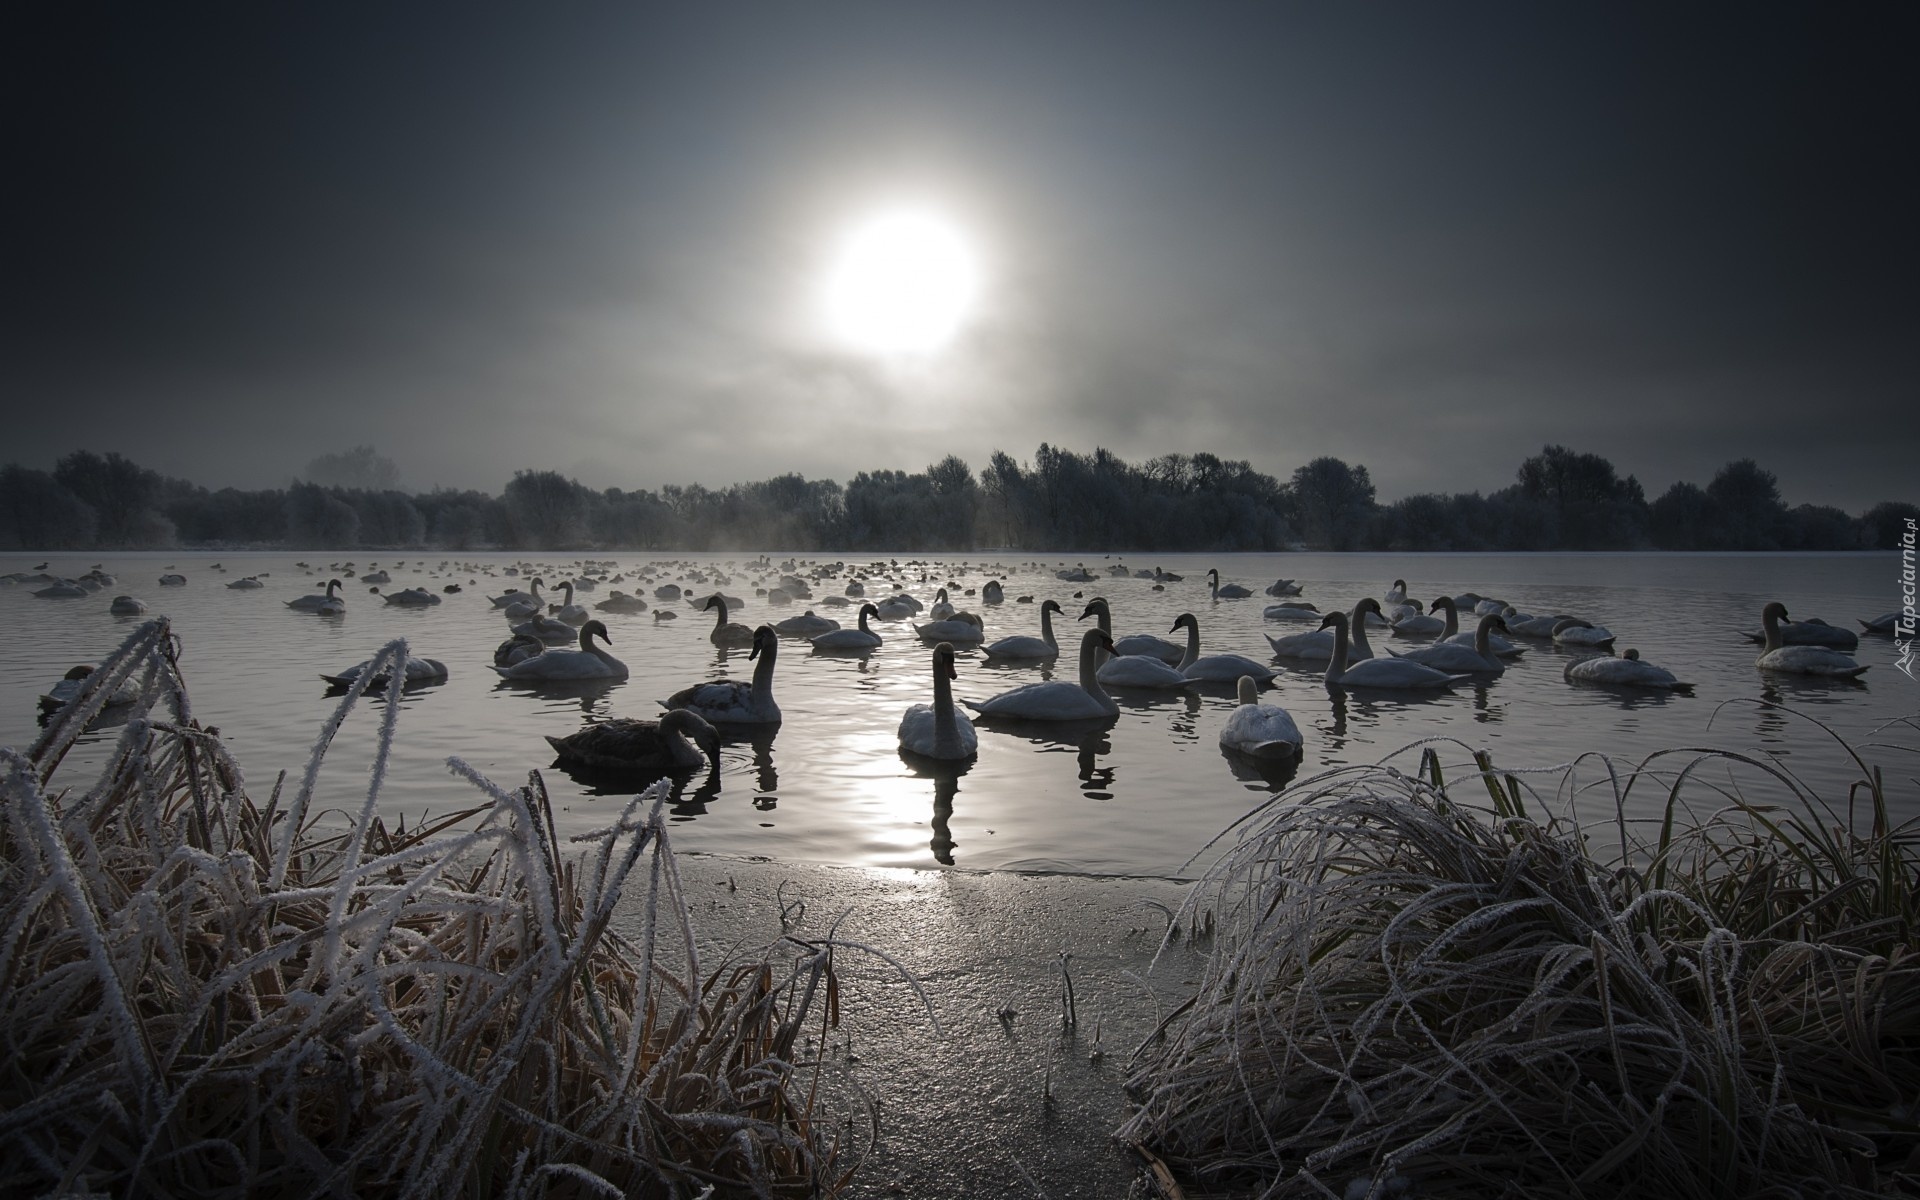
<point x="1450" y="605"/>
<point x="1397" y="594"/>
<point x="571" y="613"/>
<point x="70" y="685"/>
<point x="1058" y="700"/>
<point x="1215" y="668"/>
<point x="238" y="584"/>
<point x="588" y="662"/>
<point x="1132" y="670"/>
<point x="1574" y="632"/>
<point x="1318" y="645"/>
<point x="1284" y="587"/>
<point x="548" y="630"/>
<point x="1260" y="730"/>
<point x="939" y="730"/>
<point x="1291" y="610"/>
<point x="897" y="607"/>
<point x="1815" y="632"/>
<point x="1134" y="645"/>
<point x="418" y="670"/>
<point x="1026" y="646"/>
<point x="1394" y="673"/>
<point x="127" y="606"/>
<point x="1801" y="660"/>
<point x="942" y="608"/>
<point x="993" y="593"/>
<point x="1231" y="591"/>
<point x="318" y="600"/>
<point x="413" y="597"/>
<point x="725" y="632"/>
<point x="965" y="629"/>
<point x="525" y="606"/>
<point x="620" y="602"/>
<point x="173" y="579"/>
<point x="730" y="702"/>
<point x="806" y="625"/>
<point x="851" y="639"/>
<point x="675" y="742"/>
<point x="1452" y="657"/>
<point x="1881" y="624"/>
<point x="1625" y="671"/>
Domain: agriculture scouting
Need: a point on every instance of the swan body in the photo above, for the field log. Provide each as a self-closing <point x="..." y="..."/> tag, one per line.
<point x="1216" y="668"/>
<point x="680" y="740"/>
<point x="1625" y="671"/>
<point x="377" y="577"/>
<point x="1260" y="730"/>
<point x="548" y="630"/>
<point x="730" y="702"/>
<point x="1452" y="657"/>
<point x="1140" y="671"/>
<point x="317" y="600"/>
<point x="571" y="613"/>
<point x="851" y="639"/>
<point x="897" y="607"/>
<point x="1058" y="700"/>
<point x="522" y="607"/>
<point x="806" y="625"/>
<point x="1025" y="646"/>
<point x="1880" y="624"/>
<point x="1415" y="623"/>
<point x="1284" y="587"/>
<point x="725" y="632"/>
<point x="173" y="579"/>
<point x="419" y="670"/>
<point x="510" y="598"/>
<point x="246" y="584"/>
<point x="963" y="629"/>
<point x="1815" y="632"/>
<point x="1572" y="632"/>
<point x="1801" y="660"/>
<point x="69" y="686"/>
<point x="1388" y="673"/>
<point x="1397" y="594"/>
<point x="620" y="602"/>
<point x="1522" y="625"/>
<point x="1318" y="645"/>
<point x="127" y="606"/>
<point x="1231" y="591"/>
<point x="517" y="649"/>
<point x="1136" y="645"/>
<point x="667" y="591"/>
<point x="941" y="608"/>
<point x="1291" y="611"/>
<point x="993" y="593"/>
<point x="413" y="598"/>
<point x="939" y="730"/>
<point x="588" y="662"/>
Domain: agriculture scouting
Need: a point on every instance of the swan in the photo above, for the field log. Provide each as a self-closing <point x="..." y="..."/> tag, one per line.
<point x="1575" y="632"/>
<point x="64" y="589"/>
<point x="667" y="591"/>
<point x="897" y="607"/>
<point x="1231" y="591"/>
<point x="725" y="632"/>
<point x="1487" y="604"/>
<point x="1815" y="632"/>
<point x="1880" y="624"/>
<point x="1419" y="624"/>
<point x="173" y="579"/>
<point x="855" y="589"/>
<point x="510" y="598"/>
<point x="127" y="606"/>
<point x="377" y="577"/>
<point x="246" y="584"/>
<point x="993" y="593"/>
<point x="1026" y="646"/>
<point x="1397" y="594"/>
<point x="1522" y="625"/>
<point x="1134" y="645"/>
<point x="1625" y="671"/>
<point x="526" y="606"/>
<point x="68" y="688"/>
<point x="1058" y="700"/>
<point x="1284" y="587"/>
<point x="517" y="649"/>
<point x="571" y="613"/>
<point x="1450" y="605"/>
<point x="676" y="742"/>
<point x="1215" y="668"/>
<point x="548" y="630"/>
<point x="1395" y="673"/>
<point x="1453" y="657"/>
<point x="941" y="609"/>
<point x="1292" y="610"/>
<point x="1260" y="730"/>
<point x="1318" y="646"/>
<point x="1160" y="576"/>
<point x="1800" y="660"/>
<point x="413" y="598"/>
<point x="963" y="628"/>
<point x="851" y="639"/>
<point x="939" y="730"/>
<point x="419" y="670"/>
<point x="620" y="602"/>
<point x="730" y="702"/>
<point x="806" y="625"/>
<point x="588" y="662"/>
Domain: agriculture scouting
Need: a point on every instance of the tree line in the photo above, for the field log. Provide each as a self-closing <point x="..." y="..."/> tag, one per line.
<point x="1058" y="500"/>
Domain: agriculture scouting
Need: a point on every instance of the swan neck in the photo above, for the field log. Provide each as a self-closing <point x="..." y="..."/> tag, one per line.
<point x="1193" y="646"/>
<point x="1482" y="637"/>
<point x="1337" y="665"/>
<point x="763" y="673"/>
<point x="1774" y="639"/>
<point x="1090" y="650"/>
<point x="1357" y="634"/>
<point x="943" y="711"/>
<point x="721" y="605"/>
<point x="1453" y="621"/>
<point x="1046" y="627"/>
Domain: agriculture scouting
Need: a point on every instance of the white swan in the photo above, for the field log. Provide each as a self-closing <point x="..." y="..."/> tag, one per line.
<point x="413" y="597"/>
<point x="1625" y="671"/>
<point x="993" y="593"/>
<point x="1144" y="670"/>
<point x="1134" y="645"/>
<point x="725" y="632"/>
<point x="851" y="639"/>
<point x="1503" y="647"/>
<point x="1419" y="624"/>
<point x="127" y="606"/>
<point x="548" y="630"/>
<point x="1058" y="700"/>
<point x="1260" y="730"/>
<point x="1452" y="657"/>
<point x="571" y="613"/>
<point x="1397" y="594"/>
<point x="1815" y="632"/>
<point x="730" y="702"/>
<point x="588" y="662"/>
<point x="1318" y="645"/>
<point x="679" y="741"/>
<point x="1025" y="646"/>
<point x="1575" y="632"/>
<point x="377" y="577"/>
<point x="318" y="600"/>
<point x="173" y="579"/>
<point x="68" y="688"/>
<point x="962" y="628"/>
<point x="1231" y="591"/>
<point x="1215" y="668"/>
<point x="806" y="625"/>
<point x="939" y="730"/>
<point x="511" y="597"/>
<point x="942" y="608"/>
<point x="897" y="607"/>
<point x="1801" y="660"/>
<point x="418" y="670"/>
<point x="1284" y="587"/>
<point x="619" y="602"/>
<point x="667" y="591"/>
<point x="239" y="584"/>
<point x="1291" y="610"/>
<point x="1880" y="624"/>
<point x="1394" y="673"/>
<point x="527" y="605"/>
<point x="517" y="649"/>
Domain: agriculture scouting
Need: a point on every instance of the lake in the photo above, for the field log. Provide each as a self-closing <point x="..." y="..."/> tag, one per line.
<point x="1142" y="796"/>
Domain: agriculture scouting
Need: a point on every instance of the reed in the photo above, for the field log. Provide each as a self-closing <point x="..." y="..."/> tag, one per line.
<point x="1425" y="985"/>
<point x="204" y="995"/>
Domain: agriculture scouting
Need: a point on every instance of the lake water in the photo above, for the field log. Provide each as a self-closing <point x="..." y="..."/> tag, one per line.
<point x="1140" y="797"/>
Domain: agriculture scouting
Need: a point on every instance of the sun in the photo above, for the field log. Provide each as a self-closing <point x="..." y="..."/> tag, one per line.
<point x="901" y="281"/>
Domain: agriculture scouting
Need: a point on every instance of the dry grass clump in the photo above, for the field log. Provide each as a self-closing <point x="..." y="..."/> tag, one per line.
<point x="1413" y="993"/>
<point x="203" y="996"/>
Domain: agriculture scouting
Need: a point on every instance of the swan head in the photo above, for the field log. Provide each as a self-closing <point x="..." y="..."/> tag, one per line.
<point x="1774" y="611"/>
<point x="1368" y="605"/>
<point x="1094" y="608"/>
<point x="940" y="595"/>
<point x="1401" y="584"/>
<point x="763" y="639"/>
<point x="1093" y="638"/>
<point x="696" y="729"/>
<point x="1444" y="604"/>
<point x="1631" y="654"/>
<point x="1336" y="621"/>
<point x="1494" y="621"/>
<point x="869" y="610"/>
<point x="943" y="667"/>
<point x="1053" y="606"/>
<point x="591" y="630"/>
<point x="79" y="672"/>
<point x="1186" y="620"/>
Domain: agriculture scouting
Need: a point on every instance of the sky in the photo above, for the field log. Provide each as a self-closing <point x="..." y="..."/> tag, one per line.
<point x="1425" y="238"/>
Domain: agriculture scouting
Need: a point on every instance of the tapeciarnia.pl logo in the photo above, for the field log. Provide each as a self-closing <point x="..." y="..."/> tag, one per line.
<point x="1903" y="627"/>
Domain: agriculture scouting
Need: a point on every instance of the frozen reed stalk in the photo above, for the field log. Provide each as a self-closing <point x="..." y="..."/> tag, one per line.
<point x="1413" y="989"/>
<point x="199" y="996"/>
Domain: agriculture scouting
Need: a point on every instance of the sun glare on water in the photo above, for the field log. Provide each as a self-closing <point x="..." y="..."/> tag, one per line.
<point x="901" y="282"/>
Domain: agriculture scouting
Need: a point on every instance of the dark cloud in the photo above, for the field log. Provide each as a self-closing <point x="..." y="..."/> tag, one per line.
<point x="1425" y="238"/>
